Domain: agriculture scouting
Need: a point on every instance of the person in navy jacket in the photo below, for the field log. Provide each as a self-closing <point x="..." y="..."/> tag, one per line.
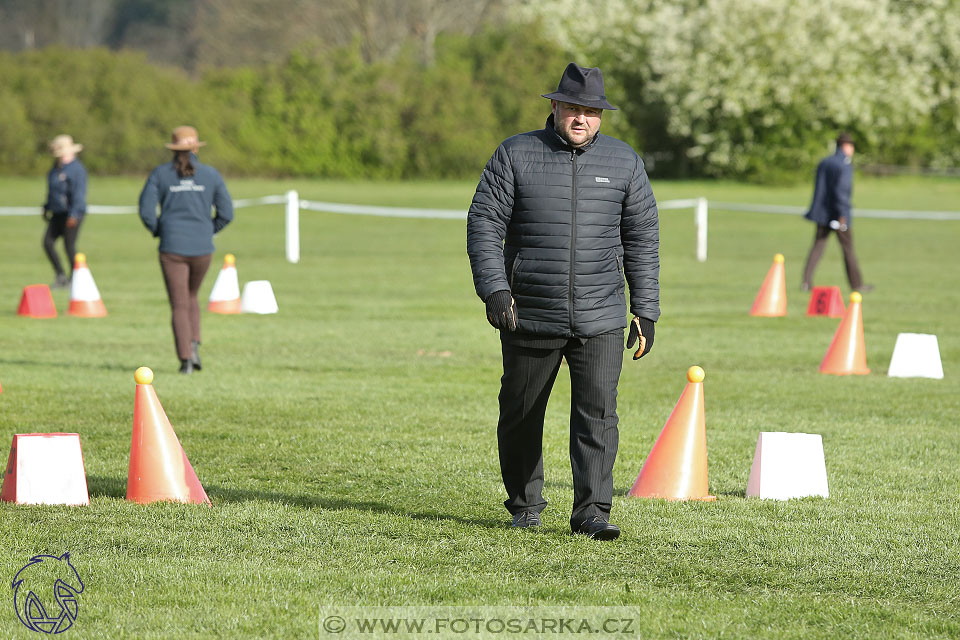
<point x="66" y="204"/>
<point x="186" y="192"/>
<point x="830" y="210"/>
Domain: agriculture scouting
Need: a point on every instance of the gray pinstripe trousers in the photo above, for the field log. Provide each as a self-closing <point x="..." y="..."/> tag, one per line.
<point x="528" y="377"/>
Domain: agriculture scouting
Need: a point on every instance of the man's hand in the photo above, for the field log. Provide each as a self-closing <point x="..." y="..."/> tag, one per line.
<point x="72" y="222"/>
<point x="641" y="329"/>
<point x="47" y="214"/>
<point x="502" y="311"/>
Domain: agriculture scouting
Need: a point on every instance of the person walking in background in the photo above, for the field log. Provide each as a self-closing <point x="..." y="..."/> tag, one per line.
<point x="186" y="192"/>
<point x="66" y="204"/>
<point x="831" y="210"/>
<point x="559" y="217"/>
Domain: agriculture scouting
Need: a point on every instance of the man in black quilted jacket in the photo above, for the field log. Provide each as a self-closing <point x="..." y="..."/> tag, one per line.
<point x="560" y="217"/>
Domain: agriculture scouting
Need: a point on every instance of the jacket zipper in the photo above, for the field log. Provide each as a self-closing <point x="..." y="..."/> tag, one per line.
<point x="573" y="231"/>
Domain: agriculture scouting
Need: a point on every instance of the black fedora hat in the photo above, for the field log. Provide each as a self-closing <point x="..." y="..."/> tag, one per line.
<point x="844" y="138"/>
<point x="583" y="86"/>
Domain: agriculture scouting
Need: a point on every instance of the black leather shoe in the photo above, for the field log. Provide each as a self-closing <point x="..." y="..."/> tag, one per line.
<point x="195" y="358"/>
<point x="598" y="528"/>
<point x="526" y="519"/>
<point x="186" y="367"/>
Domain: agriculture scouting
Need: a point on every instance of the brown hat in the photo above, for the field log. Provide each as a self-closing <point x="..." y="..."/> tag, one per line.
<point x="62" y="145"/>
<point x="184" y="138"/>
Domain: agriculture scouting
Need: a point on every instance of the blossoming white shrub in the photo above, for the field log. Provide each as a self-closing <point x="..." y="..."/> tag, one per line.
<point x="755" y="88"/>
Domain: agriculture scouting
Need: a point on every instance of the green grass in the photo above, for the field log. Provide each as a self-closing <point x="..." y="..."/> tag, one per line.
<point x="352" y="460"/>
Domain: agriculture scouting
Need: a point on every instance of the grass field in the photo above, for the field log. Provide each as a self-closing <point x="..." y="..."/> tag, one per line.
<point x="348" y="442"/>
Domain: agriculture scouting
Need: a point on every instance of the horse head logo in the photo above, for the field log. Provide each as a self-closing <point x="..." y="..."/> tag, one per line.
<point x="45" y="593"/>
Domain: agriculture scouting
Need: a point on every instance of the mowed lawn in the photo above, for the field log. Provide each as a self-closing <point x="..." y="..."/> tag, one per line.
<point x="348" y="442"/>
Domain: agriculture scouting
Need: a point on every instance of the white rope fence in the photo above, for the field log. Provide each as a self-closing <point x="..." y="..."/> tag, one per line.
<point x="393" y="212"/>
<point x="891" y="214"/>
<point x="293" y="204"/>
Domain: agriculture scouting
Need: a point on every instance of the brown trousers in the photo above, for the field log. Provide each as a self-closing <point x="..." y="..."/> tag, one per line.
<point x="849" y="258"/>
<point x="183" y="276"/>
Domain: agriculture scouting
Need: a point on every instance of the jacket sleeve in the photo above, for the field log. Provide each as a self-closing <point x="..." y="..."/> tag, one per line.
<point x="640" y="236"/>
<point x="149" y="199"/>
<point x="843" y="187"/>
<point x="47" y="205"/>
<point x="487" y="222"/>
<point x="78" y="192"/>
<point x="223" y="204"/>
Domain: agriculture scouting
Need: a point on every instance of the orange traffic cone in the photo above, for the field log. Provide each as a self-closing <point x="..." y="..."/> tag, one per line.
<point x="159" y="469"/>
<point x="676" y="468"/>
<point x="847" y="353"/>
<point x="225" y="295"/>
<point x="85" y="299"/>
<point x="37" y="302"/>
<point x="772" y="299"/>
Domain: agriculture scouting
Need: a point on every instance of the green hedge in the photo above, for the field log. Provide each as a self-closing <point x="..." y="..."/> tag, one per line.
<point x="692" y="103"/>
<point x="334" y="116"/>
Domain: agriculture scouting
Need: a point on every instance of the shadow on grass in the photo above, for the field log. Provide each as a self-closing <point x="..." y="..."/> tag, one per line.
<point x="106" y="487"/>
<point x="732" y="494"/>
<point x="625" y="491"/>
<point x="114" y="487"/>
<point x="78" y="365"/>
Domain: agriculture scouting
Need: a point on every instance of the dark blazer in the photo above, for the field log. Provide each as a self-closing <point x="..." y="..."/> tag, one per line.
<point x="560" y="228"/>
<point x="832" y="190"/>
<point x="185" y="226"/>
<point x="67" y="190"/>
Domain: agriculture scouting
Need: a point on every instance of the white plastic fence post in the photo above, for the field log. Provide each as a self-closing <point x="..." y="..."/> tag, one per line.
<point x="700" y="220"/>
<point x="293" y="226"/>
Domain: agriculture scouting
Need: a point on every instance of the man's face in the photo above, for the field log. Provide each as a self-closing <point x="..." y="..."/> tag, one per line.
<point x="847" y="148"/>
<point x="575" y="123"/>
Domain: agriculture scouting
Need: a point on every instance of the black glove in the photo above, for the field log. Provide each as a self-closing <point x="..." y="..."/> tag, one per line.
<point x="502" y="311"/>
<point x="642" y="329"/>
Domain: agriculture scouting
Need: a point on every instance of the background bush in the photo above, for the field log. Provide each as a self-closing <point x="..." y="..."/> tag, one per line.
<point x="312" y="115"/>
<point x="756" y="89"/>
<point x="749" y="89"/>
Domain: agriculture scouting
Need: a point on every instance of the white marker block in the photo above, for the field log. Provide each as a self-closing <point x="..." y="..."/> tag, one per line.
<point x="916" y="355"/>
<point x="788" y="465"/>
<point x="45" y="468"/>
<point x="258" y="298"/>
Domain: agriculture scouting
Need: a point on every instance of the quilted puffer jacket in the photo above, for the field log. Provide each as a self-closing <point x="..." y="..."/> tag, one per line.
<point x="560" y="227"/>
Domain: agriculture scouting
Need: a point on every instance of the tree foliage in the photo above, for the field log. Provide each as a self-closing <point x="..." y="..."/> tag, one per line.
<point x="755" y="88"/>
<point x="752" y="89"/>
<point x="200" y="34"/>
<point x="335" y="115"/>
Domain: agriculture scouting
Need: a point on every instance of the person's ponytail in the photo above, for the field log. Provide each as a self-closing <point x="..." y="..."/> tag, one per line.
<point x="183" y="164"/>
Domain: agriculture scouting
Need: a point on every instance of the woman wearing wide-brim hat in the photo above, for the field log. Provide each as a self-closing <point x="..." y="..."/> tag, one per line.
<point x="66" y="204"/>
<point x="194" y="205"/>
